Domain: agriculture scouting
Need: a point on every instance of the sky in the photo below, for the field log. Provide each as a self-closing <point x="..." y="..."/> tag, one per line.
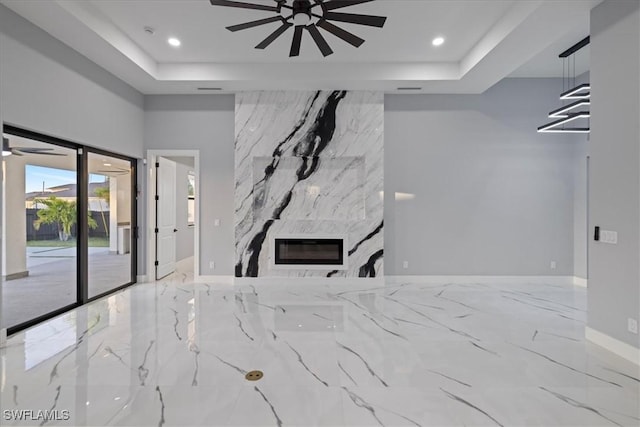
<point x="36" y="175"/>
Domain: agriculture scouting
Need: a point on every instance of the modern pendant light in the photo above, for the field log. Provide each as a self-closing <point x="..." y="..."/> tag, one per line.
<point x="580" y="93"/>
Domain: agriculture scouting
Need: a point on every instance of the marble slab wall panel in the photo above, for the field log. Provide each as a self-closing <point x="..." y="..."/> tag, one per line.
<point x="309" y="163"/>
<point x="335" y="191"/>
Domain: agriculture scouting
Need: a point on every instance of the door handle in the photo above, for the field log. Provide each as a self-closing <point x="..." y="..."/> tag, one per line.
<point x="175" y="230"/>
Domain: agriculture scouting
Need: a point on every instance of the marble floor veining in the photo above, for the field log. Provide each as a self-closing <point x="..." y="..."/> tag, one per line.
<point x="175" y="353"/>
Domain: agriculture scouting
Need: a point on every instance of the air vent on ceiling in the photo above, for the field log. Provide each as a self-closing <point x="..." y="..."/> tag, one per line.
<point x="209" y="88"/>
<point x="409" y="88"/>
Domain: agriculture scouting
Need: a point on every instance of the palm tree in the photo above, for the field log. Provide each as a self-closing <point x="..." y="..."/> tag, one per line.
<point x="102" y="193"/>
<point x="60" y="212"/>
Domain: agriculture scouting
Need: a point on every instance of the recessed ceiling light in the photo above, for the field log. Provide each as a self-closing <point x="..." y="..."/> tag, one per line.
<point x="174" y="42"/>
<point x="107" y="164"/>
<point x="437" y="41"/>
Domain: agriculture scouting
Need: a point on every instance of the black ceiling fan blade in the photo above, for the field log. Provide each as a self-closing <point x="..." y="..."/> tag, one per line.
<point x="277" y="33"/>
<point x="36" y="151"/>
<point x="230" y="3"/>
<point x="320" y="41"/>
<point x="338" y="4"/>
<point x="297" y="41"/>
<point x="113" y="172"/>
<point x="345" y="35"/>
<point x="254" y="23"/>
<point x="32" y="149"/>
<point x="354" y="18"/>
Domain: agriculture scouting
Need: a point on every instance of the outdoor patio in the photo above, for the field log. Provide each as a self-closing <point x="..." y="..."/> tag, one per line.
<point x="51" y="283"/>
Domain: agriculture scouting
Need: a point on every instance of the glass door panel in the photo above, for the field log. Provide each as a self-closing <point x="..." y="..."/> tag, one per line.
<point x="110" y="223"/>
<point x="39" y="217"/>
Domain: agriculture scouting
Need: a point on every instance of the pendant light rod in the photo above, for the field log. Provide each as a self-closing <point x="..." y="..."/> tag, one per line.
<point x="576" y="47"/>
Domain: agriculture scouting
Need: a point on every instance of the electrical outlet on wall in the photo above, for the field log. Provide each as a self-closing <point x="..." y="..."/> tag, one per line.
<point x="405" y="264"/>
<point x="212" y="265"/>
<point x="632" y="325"/>
<point x="553" y="265"/>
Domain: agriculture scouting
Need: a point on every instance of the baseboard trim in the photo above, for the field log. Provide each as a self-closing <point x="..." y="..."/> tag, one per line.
<point x="579" y="281"/>
<point x="553" y="280"/>
<point x="226" y="280"/>
<point x="18" y="275"/>
<point x="270" y="280"/>
<point x="613" y="345"/>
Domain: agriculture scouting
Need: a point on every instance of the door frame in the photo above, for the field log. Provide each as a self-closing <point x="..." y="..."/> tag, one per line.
<point x="150" y="178"/>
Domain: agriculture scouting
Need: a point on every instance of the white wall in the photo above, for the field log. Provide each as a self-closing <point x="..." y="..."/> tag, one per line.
<point x="614" y="187"/>
<point x="204" y="123"/>
<point x="14" y="260"/>
<point x="47" y="87"/>
<point x="123" y="210"/>
<point x="491" y="195"/>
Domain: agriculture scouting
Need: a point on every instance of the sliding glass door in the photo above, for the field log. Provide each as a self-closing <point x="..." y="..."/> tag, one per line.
<point x="110" y="213"/>
<point x="68" y="226"/>
<point x="39" y="253"/>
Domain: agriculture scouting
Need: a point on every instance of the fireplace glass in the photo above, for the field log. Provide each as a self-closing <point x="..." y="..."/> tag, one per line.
<point x="309" y="251"/>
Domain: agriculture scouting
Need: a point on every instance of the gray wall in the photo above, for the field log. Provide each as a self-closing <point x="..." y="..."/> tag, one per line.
<point x="580" y="198"/>
<point x="48" y="87"/>
<point x="205" y="123"/>
<point x="491" y="195"/>
<point x="614" y="188"/>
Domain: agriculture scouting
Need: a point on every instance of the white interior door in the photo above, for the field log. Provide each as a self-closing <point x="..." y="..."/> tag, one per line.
<point x="166" y="217"/>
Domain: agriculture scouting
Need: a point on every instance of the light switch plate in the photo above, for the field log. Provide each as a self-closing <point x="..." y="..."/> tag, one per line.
<point x="632" y="325"/>
<point x="607" y="236"/>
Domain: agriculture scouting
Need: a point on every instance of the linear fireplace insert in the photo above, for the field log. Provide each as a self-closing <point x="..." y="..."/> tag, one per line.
<point x="309" y="251"/>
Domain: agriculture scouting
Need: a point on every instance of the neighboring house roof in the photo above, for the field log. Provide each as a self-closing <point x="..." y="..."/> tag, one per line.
<point x="69" y="190"/>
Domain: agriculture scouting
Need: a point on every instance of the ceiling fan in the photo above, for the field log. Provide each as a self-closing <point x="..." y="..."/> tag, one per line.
<point x="114" y="171"/>
<point x="21" y="151"/>
<point x="301" y="17"/>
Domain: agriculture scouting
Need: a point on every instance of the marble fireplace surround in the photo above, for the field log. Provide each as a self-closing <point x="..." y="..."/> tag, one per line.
<point x="309" y="164"/>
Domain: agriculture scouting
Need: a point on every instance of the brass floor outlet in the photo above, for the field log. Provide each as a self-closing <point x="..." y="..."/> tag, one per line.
<point x="254" y="375"/>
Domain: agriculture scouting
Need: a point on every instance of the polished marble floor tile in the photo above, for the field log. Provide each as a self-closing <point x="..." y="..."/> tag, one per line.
<point x="175" y="353"/>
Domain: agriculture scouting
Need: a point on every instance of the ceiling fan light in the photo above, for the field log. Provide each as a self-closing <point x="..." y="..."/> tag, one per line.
<point x="301" y="18"/>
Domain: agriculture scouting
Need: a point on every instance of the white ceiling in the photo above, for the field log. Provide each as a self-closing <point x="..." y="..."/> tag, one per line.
<point x="486" y="40"/>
